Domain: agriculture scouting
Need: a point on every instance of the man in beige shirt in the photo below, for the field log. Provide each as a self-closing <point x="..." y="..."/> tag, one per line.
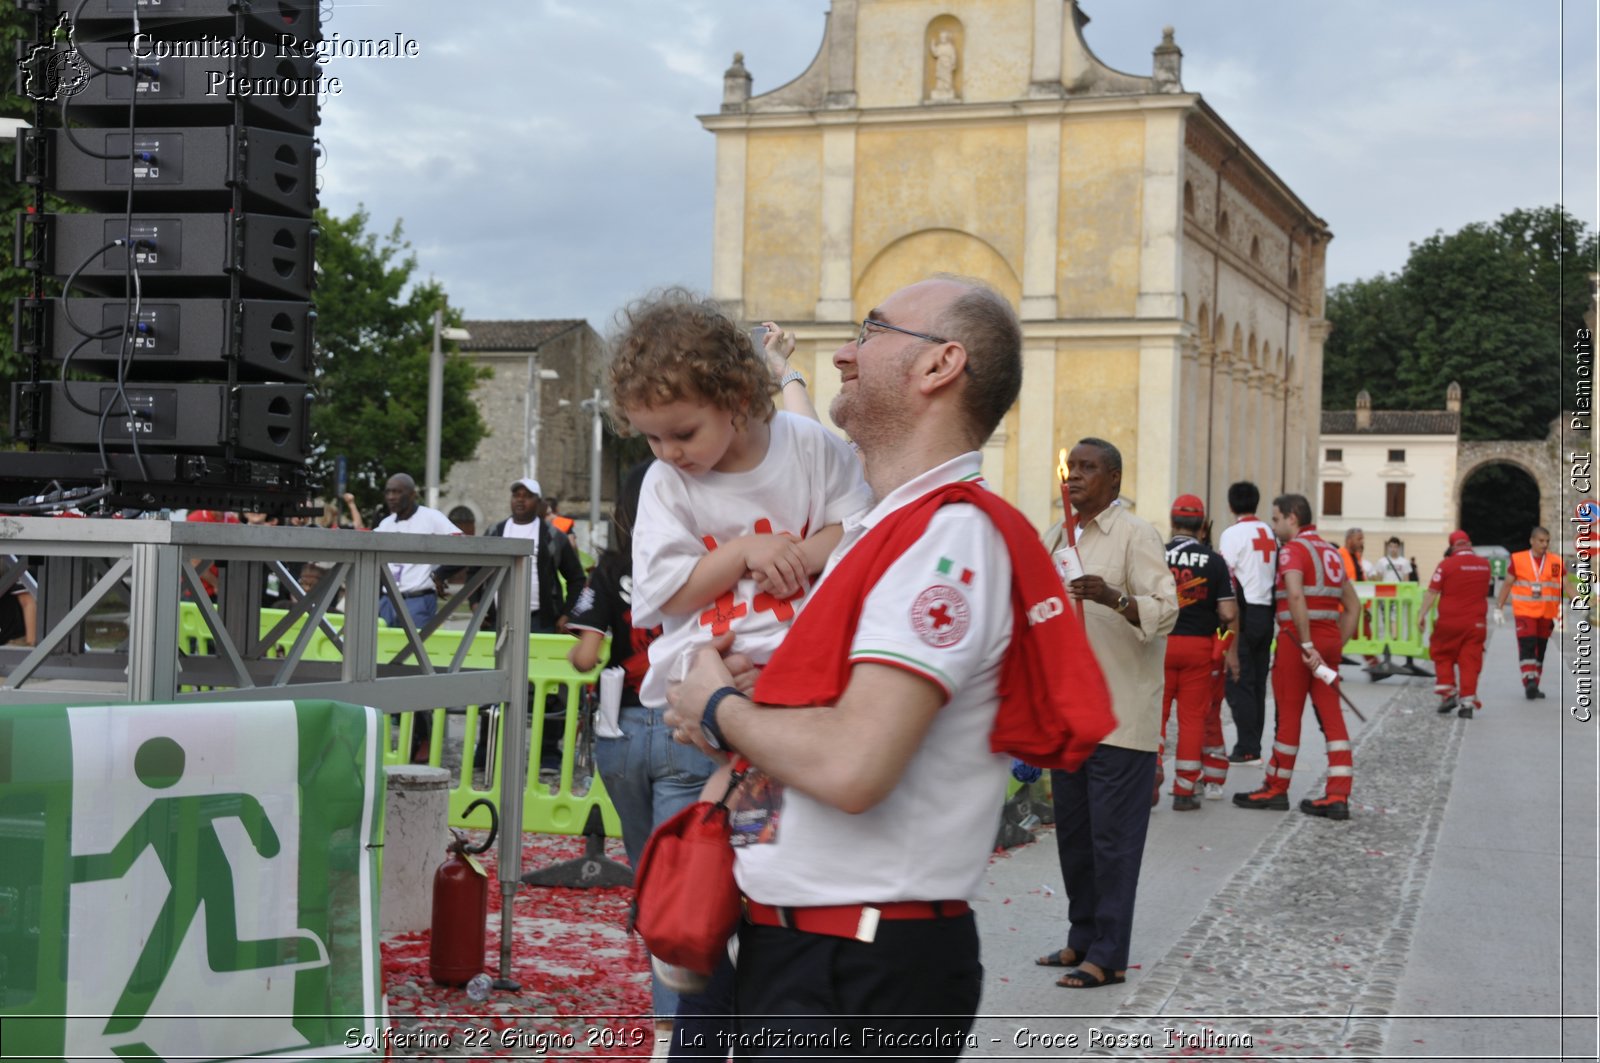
<point x="1130" y="602"/>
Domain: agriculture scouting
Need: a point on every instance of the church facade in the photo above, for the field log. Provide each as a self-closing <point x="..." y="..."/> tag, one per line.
<point x="1170" y="285"/>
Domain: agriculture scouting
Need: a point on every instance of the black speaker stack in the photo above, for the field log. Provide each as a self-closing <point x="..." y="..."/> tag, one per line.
<point x="167" y="339"/>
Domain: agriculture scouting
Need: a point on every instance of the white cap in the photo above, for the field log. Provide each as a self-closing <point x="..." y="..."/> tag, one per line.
<point x="531" y="484"/>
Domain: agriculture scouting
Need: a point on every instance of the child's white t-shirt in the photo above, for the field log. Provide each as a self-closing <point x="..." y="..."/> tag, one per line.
<point x="809" y="479"/>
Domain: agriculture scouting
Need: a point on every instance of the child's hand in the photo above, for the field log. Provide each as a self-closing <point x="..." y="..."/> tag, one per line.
<point x="776" y="564"/>
<point x="779" y="346"/>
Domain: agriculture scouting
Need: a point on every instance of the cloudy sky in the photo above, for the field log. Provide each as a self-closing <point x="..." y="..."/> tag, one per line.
<point x="546" y="162"/>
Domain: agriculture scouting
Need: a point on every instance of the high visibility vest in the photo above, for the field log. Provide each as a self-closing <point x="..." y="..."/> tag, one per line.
<point x="1536" y="588"/>
<point x="1324" y="593"/>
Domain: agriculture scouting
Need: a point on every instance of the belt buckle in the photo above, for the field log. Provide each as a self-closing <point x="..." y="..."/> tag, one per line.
<point x="867" y="925"/>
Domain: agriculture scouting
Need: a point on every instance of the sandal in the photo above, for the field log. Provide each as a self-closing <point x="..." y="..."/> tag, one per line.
<point x="1055" y="960"/>
<point x="1089" y="981"/>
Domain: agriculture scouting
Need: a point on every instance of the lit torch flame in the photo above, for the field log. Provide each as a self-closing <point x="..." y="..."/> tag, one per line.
<point x="1061" y="464"/>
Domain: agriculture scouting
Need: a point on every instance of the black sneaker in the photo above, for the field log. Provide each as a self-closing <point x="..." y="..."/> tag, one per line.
<point x="1465" y="712"/>
<point x="1272" y="800"/>
<point x="1326" y="807"/>
<point x="1244" y="758"/>
<point x="1531" y="690"/>
<point x="1537" y="693"/>
<point x="1185" y="803"/>
<point x="1447" y="704"/>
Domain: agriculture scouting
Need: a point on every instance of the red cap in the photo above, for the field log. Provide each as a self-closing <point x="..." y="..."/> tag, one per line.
<point x="1188" y="506"/>
<point x="1459" y="538"/>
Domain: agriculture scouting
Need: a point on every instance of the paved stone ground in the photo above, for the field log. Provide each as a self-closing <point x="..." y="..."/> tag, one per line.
<point x="1405" y="932"/>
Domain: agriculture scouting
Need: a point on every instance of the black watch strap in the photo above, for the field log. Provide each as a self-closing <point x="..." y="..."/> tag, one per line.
<point x="708" y="718"/>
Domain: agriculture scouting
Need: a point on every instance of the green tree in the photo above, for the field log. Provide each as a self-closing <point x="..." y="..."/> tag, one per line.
<point x="374" y="335"/>
<point x="1491" y="306"/>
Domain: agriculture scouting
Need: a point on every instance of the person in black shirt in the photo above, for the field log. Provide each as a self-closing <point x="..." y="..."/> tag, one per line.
<point x="1205" y="602"/>
<point x="605" y="605"/>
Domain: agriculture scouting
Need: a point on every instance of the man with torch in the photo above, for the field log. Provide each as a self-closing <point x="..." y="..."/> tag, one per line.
<point x="1115" y="569"/>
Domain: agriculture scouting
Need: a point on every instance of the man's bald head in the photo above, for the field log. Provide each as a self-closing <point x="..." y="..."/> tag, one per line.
<point x="978" y="318"/>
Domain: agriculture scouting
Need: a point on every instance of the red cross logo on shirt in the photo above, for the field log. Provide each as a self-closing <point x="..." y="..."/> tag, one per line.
<point x="722" y="613"/>
<point x="940" y="615"/>
<point x="1265" y="544"/>
<point x="778" y="607"/>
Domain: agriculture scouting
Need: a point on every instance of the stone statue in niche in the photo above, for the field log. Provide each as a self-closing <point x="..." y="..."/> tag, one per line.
<point x="945" y="60"/>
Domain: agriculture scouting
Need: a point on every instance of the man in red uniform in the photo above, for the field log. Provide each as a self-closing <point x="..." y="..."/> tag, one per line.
<point x="1311" y="587"/>
<point x="1460" y="584"/>
<point x="1534" y="586"/>
<point x="1205" y="602"/>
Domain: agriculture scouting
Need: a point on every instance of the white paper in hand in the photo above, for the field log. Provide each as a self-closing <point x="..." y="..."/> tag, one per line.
<point x="606" y="719"/>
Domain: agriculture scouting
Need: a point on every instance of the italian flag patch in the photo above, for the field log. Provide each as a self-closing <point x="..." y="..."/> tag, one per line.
<point x="947" y="568"/>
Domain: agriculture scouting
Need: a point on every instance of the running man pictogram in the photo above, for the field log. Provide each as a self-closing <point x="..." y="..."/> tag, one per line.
<point x="182" y="833"/>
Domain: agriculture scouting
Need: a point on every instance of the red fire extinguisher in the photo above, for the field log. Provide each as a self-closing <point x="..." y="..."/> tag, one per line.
<point x="461" y="908"/>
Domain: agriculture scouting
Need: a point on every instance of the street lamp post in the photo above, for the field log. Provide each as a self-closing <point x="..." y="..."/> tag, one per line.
<point x="533" y="413"/>
<point x="595" y="409"/>
<point x="436" y="401"/>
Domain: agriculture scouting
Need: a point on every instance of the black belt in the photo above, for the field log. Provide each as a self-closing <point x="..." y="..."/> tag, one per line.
<point x="418" y="594"/>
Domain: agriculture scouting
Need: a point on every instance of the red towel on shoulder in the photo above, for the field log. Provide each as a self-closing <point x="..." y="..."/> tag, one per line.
<point x="1054" y="705"/>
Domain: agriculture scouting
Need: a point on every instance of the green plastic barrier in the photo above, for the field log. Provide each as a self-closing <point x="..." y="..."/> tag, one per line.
<point x="546" y="808"/>
<point x="1389" y="613"/>
<point x="552" y="680"/>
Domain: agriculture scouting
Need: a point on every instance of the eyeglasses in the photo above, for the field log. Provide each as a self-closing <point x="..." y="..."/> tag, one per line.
<point x="870" y="323"/>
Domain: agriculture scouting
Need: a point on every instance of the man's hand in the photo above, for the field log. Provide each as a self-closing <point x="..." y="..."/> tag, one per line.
<point x="1093" y="589"/>
<point x="745" y="672"/>
<point x="776" y="563"/>
<point x="1310" y="655"/>
<point x="1499" y="616"/>
<point x="686" y="701"/>
<point x="1230" y="659"/>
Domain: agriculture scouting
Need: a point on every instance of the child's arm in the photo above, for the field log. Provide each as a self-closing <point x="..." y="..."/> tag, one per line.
<point x="818" y="547"/>
<point x="811" y="559"/>
<point x="777" y="557"/>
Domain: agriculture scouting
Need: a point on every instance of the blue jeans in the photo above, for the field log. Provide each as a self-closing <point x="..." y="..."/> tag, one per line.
<point x="421" y="607"/>
<point x="649" y="778"/>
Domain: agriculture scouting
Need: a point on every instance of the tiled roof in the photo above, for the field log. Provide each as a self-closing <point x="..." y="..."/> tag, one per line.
<point x="1393" y="423"/>
<point x="514" y="335"/>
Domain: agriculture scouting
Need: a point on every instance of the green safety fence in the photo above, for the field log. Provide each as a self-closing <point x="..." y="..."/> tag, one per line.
<point x="189" y="880"/>
<point x="1389" y="613"/>
<point x="554" y="693"/>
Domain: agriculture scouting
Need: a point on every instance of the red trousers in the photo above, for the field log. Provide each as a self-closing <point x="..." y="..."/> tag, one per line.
<point x="1191" y="682"/>
<point x="1291" y="682"/>
<point x="1214" y="753"/>
<point x="1453" y="649"/>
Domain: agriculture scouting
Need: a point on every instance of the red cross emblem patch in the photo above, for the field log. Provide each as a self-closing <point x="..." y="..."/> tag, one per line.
<point x="940" y="616"/>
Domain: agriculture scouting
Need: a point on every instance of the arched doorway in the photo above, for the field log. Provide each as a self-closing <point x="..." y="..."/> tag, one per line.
<point x="1499" y="503"/>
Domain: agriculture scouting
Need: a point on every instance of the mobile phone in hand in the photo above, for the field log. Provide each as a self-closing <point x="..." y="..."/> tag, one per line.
<point x="758" y="338"/>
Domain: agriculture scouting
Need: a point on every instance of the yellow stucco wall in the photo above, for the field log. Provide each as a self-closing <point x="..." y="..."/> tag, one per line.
<point x="892" y="50"/>
<point x="782" y="258"/>
<point x="1102" y="191"/>
<point x="1097" y="394"/>
<point x="980" y="188"/>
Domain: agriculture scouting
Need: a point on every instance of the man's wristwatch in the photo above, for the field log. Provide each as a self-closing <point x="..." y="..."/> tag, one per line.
<point x="708" y="719"/>
<point x="792" y="376"/>
<point x="1123" y="601"/>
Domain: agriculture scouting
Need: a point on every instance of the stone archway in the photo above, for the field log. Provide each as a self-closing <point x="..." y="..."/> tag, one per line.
<point x="1539" y="458"/>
